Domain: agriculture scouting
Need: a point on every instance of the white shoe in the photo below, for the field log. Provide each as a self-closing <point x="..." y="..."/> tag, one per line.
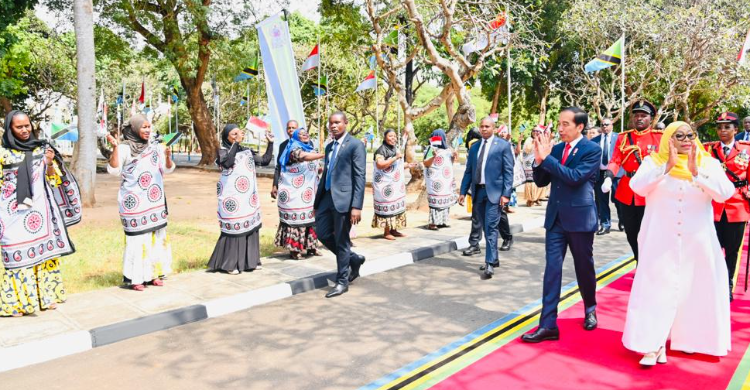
<point x="651" y="358"/>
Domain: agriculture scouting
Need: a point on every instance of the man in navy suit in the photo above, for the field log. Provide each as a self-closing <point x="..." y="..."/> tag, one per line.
<point x="489" y="175"/>
<point x="606" y="141"/>
<point x="744" y="135"/>
<point x="571" y="167"/>
<point x="338" y="203"/>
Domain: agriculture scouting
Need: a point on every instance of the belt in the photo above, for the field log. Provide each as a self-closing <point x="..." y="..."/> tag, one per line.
<point x="629" y="174"/>
<point x="740" y="184"/>
<point x="478" y="186"/>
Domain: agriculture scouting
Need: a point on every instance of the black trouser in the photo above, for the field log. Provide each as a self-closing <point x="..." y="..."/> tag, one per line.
<point x="631" y="217"/>
<point x="332" y="228"/>
<point x="476" y="227"/>
<point x="504" y="225"/>
<point x="730" y="239"/>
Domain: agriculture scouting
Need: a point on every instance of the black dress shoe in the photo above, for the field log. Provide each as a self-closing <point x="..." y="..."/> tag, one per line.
<point x="494" y="265"/>
<point x="602" y="231"/>
<point x="488" y="272"/>
<point x="541" y="334"/>
<point x="506" y="245"/>
<point x="472" y="250"/>
<point x="355" y="268"/>
<point x="590" y="322"/>
<point x="338" y="290"/>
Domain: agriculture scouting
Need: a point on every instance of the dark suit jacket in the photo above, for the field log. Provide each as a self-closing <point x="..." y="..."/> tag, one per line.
<point x="741" y="136"/>
<point x="498" y="171"/>
<point x="571" y="198"/>
<point x="612" y="144"/>
<point x="277" y="170"/>
<point x="348" y="180"/>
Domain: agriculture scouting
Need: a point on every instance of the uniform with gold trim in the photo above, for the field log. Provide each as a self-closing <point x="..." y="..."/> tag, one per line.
<point x="631" y="147"/>
<point x="731" y="216"/>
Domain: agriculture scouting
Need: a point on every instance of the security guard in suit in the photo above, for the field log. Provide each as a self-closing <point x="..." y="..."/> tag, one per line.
<point x="631" y="148"/>
<point x="731" y="216"/>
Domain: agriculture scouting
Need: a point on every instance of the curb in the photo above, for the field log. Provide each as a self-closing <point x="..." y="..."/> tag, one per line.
<point x="79" y="341"/>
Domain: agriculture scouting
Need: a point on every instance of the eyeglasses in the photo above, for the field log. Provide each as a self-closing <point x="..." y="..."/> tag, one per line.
<point x="606" y="124"/>
<point x="682" y="136"/>
<point x="727" y="127"/>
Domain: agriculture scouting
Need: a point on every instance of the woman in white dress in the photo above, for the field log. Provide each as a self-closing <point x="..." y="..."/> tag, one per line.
<point x="441" y="187"/>
<point x="143" y="206"/>
<point x="680" y="290"/>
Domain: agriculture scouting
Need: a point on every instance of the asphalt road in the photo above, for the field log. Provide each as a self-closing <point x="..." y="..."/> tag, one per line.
<point x="308" y="342"/>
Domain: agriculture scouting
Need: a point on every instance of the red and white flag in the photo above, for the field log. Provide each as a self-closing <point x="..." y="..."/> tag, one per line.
<point x="436" y="141"/>
<point x="256" y="124"/>
<point x="313" y="60"/>
<point x="742" y="57"/>
<point x="369" y="83"/>
<point x="142" y="99"/>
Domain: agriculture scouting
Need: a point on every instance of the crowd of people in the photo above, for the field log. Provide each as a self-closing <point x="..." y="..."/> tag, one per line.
<point x="666" y="186"/>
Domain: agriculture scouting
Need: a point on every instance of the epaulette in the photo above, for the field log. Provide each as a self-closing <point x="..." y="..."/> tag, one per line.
<point x="657" y="130"/>
<point x="627" y="131"/>
<point x="746" y="143"/>
<point x="711" y="143"/>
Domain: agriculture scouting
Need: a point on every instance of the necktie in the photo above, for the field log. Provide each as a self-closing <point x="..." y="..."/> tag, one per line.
<point x="565" y="153"/>
<point x="331" y="163"/>
<point x="605" y="155"/>
<point x="480" y="164"/>
<point x="726" y="151"/>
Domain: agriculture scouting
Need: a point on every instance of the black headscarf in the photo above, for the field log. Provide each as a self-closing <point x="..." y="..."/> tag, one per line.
<point x="24" y="192"/>
<point x="228" y="149"/>
<point x="132" y="135"/>
<point x="386" y="150"/>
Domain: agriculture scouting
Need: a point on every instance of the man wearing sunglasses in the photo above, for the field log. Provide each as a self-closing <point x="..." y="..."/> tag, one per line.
<point x="606" y="141"/>
<point x="631" y="148"/>
<point x="731" y="216"/>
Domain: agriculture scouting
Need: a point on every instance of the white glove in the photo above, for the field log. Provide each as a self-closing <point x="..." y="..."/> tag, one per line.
<point x="607" y="185"/>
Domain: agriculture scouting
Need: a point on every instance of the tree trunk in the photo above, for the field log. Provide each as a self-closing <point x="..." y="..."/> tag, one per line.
<point x="205" y="131"/>
<point x="496" y="97"/>
<point x="6" y="105"/>
<point x="450" y="108"/>
<point x="464" y="116"/>
<point x="543" y="107"/>
<point x="84" y="165"/>
<point x="410" y="154"/>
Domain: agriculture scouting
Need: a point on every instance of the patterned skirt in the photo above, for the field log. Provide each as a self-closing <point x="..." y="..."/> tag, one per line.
<point x="27" y="290"/>
<point x="439" y="216"/>
<point x="393" y="222"/>
<point x="147" y="256"/>
<point x="296" y="239"/>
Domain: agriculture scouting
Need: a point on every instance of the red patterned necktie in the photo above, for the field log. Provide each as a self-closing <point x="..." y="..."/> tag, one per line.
<point x="565" y="153"/>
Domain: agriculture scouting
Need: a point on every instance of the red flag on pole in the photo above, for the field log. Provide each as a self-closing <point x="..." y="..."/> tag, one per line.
<point x="142" y="99"/>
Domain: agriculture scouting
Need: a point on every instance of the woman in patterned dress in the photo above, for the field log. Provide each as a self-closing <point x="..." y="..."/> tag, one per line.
<point x="441" y="188"/>
<point x="33" y="220"/>
<point x="143" y="207"/>
<point x="298" y="184"/>
<point x="238" y="247"/>
<point x="389" y="188"/>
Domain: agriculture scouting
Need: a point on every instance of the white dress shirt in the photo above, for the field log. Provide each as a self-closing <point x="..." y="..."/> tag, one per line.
<point x="605" y="147"/>
<point x="487" y="144"/>
<point x="729" y="145"/>
<point x="341" y="142"/>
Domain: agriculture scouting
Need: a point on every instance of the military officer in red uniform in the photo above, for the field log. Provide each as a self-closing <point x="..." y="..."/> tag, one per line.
<point x="631" y="148"/>
<point x="731" y="216"/>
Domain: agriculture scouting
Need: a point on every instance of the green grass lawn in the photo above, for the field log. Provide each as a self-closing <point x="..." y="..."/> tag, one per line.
<point x="97" y="262"/>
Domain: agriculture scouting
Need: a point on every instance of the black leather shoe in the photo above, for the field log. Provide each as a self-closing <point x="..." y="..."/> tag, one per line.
<point x="541" y="334"/>
<point x="602" y="231"/>
<point x="506" y="245"/>
<point x="494" y="265"/>
<point x="472" y="250"/>
<point x="488" y="272"/>
<point x="338" y="290"/>
<point x="354" y="274"/>
<point x="590" y="322"/>
<point x="620" y="226"/>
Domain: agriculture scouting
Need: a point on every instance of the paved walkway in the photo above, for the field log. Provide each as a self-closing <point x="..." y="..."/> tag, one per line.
<point x="85" y="311"/>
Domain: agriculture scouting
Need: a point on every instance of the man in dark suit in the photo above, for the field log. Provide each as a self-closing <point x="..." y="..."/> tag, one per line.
<point x="475" y="235"/>
<point x="571" y="167"/>
<point x="606" y="141"/>
<point x="291" y="126"/>
<point x="338" y="203"/>
<point x="744" y="135"/>
<point x="489" y="175"/>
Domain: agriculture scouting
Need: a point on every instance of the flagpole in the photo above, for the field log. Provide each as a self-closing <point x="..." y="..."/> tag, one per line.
<point x="622" y="86"/>
<point x="321" y="133"/>
<point x="377" y="121"/>
<point x="510" y="105"/>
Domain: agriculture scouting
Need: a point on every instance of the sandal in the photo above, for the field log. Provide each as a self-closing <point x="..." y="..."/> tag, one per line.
<point x="157" y="282"/>
<point x="389" y="237"/>
<point x="137" y="287"/>
<point x="295" y="255"/>
<point x="234" y="272"/>
<point x="397" y="234"/>
<point x="432" y="227"/>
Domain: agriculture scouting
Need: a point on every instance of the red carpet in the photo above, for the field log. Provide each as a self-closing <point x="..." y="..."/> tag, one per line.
<point x="597" y="360"/>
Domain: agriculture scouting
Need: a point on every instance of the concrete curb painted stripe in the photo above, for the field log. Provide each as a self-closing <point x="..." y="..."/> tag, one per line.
<point x="79" y="341"/>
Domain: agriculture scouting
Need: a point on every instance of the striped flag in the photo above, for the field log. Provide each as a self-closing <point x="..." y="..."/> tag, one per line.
<point x="249" y="72"/>
<point x="321" y="86"/>
<point x="313" y="60"/>
<point x="742" y="57"/>
<point x="256" y="124"/>
<point x="369" y="83"/>
<point x="610" y="57"/>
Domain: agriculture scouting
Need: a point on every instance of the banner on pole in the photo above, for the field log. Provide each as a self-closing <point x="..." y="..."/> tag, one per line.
<point x="282" y="83"/>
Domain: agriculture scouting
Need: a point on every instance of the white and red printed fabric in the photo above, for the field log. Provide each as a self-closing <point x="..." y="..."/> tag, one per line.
<point x="441" y="188"/>
<point x="297" y="188"/>
<point x="389" y="189"/>
<point x="29" y="236"/>
<point x="239" y="202"/>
